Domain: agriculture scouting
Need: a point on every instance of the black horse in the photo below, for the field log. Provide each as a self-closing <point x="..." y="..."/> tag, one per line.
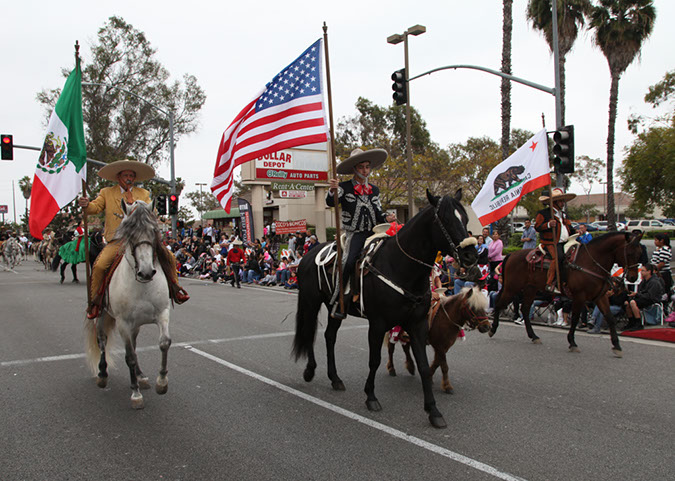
<point x="95" y="247"/>
<point x="395" y="291"/>
<point x="588" y="279"/>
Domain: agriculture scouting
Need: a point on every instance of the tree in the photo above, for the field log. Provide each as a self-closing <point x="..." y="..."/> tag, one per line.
<point x="648" y="170"/>
<point x="384" y="127"/>
<point x="119" y="125"/>
<point x="587" y="173"/>
<point x="582" y="211"/>
<point x="507" y="29"/>
<point x="571" y="18"/>
<point x="620" y="29"/>
<point x="203" y="201"/>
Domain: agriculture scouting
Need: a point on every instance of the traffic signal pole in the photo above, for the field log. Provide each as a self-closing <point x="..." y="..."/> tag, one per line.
<point x="408" y="140"/>
<point x="560" y="177"/>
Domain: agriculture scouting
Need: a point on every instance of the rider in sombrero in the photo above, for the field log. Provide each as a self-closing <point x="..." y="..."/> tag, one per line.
<point x="551" y="235"/>
<point x="360" y="203"/>
<point x="125" y="173"/>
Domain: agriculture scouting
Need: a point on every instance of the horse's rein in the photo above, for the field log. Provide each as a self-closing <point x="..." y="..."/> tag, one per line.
<point x="133" y="254"/>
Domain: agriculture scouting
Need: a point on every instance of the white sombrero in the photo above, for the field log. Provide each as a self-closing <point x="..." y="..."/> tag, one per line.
<point x="143" y="171"/>
<point x="376" y="157"/>
<point x="557" y="194"/>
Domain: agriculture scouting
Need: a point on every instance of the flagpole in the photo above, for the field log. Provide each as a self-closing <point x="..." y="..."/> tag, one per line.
<point x="85" y="219"/>
<point x="336" y="199"/>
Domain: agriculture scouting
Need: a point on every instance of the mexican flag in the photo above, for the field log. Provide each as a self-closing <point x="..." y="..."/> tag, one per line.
<point x="62" y="163"/>
<point x="525" y="171"/>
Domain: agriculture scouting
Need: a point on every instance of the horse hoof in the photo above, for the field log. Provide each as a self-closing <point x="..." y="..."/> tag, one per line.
<point x="162" y="385"/>
<point x="392" y="372"/>
<point x="338" y="386"/>
<point x="575" y="349"/>
<point x="536" y="340"/>
<point x="617" y="352"/>
<point x="449" y="391"/>
<point x="308" y="375"/>
<point x="101" y="382"/>
<point x="374" y="405"/>
<point x="137" y="402"/>
<point x="411" y="370"/>
<point x="143" y="383"/>
<point x="438" y="422"/>
<point x="491" y="333"/>
<point x="62" y="281"/>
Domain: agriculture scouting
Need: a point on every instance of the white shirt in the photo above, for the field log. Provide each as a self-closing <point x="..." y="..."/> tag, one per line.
<point x="564" y="235"/>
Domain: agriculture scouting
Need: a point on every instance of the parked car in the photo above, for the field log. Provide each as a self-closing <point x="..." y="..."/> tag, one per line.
<point x="669" y="222"/>
<point x="590" y="227"/>
<point x="600" y="224"/>
<point x="517" y="227"/>
<point x="645" y="225"/>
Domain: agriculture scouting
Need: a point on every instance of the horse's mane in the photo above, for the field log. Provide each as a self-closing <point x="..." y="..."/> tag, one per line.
<point x="477" y="301"/>
<point x="604" y="237"/>
<point x="138" y="224"/>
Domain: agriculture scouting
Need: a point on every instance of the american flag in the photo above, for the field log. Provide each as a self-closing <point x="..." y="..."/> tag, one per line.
<point x="288" y="112"/>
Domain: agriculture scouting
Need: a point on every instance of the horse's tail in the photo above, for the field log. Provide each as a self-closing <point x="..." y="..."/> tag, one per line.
<point x="309" y="304"/>
<point x="91" y="348"/>
<point x="56" y="262"/>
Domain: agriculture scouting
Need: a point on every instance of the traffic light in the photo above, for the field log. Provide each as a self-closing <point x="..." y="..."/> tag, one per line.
<point x="161" y="204"/>
<point x="400" y="87"/>
<point x="173" y="204"/>
<point x="563" y="150"/>
<point x="7" y="145"/>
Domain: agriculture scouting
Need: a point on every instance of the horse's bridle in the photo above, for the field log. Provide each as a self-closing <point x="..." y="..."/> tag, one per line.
<point x="475" y="321"/>
<point x="437" y="219"/>
<point x="608" y="276"/>
<point x="133" y="254"/>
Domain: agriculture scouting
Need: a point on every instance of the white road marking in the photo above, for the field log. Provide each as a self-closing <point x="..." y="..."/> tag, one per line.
<point x="68" y="357"/>
<point x="364" y="420"/>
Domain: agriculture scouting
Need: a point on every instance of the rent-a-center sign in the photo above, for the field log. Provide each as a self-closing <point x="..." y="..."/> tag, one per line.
<point x="295" y="164"/>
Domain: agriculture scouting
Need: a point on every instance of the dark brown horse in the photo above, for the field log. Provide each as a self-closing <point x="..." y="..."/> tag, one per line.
<point x="588" y="278"/>
<point x="452" y="313"/>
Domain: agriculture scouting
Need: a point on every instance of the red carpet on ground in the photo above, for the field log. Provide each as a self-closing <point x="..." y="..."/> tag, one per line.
<point x="654" y="333"/>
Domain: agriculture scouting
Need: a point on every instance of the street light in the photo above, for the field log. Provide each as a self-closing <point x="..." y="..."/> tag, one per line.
<point x="171" y="143"/>
<point x="201" y="202"/>
<point x="394" y="40"/>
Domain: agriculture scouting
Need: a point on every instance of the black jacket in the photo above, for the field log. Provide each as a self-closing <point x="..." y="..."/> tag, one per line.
<point x="650" y="291"/>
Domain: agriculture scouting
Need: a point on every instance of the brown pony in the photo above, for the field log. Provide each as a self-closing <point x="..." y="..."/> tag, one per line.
<point x="453" y="312"/>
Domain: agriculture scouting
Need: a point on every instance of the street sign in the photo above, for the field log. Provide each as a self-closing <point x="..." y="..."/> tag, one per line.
<point x="3" y="209"/>
<point x="292" y="194"/>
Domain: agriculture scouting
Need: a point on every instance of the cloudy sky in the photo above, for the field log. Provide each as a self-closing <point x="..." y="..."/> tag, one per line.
<point x="234" y="48"/>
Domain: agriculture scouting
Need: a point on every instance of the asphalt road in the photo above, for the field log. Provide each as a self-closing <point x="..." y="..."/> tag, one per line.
<point x="237" y="407"/>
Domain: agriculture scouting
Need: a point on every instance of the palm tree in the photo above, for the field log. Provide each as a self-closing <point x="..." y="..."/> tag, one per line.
<point x="507" y="29"/>
<point x="26" y="186"/>
<point x="621" y="27"/>
<point x="571" y="18"/>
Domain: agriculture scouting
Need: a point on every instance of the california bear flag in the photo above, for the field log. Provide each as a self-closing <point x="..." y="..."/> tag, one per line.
<point x="61" y="165"/>
<point x="526" y="170"/>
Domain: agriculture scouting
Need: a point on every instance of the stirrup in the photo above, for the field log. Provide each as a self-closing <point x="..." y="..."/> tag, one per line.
<point x="335" y="312"/>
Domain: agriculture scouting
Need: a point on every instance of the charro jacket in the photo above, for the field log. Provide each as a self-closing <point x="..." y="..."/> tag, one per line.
<point x="110" y="200"/>
<point x="360" y="213"/>
<point x="546" y="233"/>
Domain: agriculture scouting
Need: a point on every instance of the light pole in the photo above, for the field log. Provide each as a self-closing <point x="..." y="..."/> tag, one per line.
<point x="171" y="143"/>
<point x="396" y="39"/>
<point x="201" y="202"/>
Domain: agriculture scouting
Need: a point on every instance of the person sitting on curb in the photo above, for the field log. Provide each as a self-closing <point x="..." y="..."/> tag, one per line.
<point x="650" y="291"/>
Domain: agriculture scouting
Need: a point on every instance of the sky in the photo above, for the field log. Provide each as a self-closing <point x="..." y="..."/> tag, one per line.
<point x="235" y="48"/>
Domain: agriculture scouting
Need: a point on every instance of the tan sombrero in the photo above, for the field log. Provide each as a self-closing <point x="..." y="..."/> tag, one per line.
<point x="237" y="242"/>
<point x="376" y="157"/>
<point x="557" y="194"/>
<point x="143" y="171"/>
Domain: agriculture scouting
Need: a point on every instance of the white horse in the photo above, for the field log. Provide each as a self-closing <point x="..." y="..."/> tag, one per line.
<point x="138" y="294"/>
<point x="11" y="251"/>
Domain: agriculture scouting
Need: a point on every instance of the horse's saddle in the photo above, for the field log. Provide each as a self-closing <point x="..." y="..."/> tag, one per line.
<point x="539" y="257"/>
